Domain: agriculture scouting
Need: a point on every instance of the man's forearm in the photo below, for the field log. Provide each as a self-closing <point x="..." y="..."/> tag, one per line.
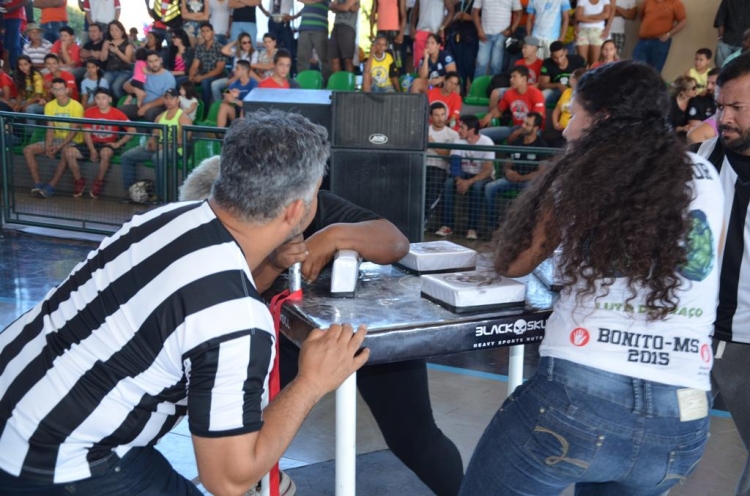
<point x="378" y="241"/>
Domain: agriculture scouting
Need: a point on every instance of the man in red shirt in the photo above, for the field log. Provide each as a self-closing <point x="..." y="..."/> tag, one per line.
<point x="282" y="64"/>
<point x="101" y="141"/>
<point x="528" y="60"/>
<point x="52" y="63"/>
<point x="520" y="99"/>
<point x="68" y="51"/>
<point x="448" y="96"/>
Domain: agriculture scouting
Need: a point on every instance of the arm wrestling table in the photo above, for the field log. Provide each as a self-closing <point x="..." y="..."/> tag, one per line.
<point x="402" y="325"/>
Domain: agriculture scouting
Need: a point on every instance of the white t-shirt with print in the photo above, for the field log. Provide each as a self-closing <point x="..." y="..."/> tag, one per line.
<point x="473" y="160"/>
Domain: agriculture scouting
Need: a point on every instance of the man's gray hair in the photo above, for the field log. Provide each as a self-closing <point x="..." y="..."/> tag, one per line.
<point x="268" y="160"/>
<point x="198" y="184"/>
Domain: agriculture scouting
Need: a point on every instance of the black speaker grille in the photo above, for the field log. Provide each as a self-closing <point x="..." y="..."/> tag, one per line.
<point x="390" y="184"/>
<point x="390" y="121"/>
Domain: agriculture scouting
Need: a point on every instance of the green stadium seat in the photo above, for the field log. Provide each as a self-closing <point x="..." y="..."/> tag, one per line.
<point x="478" y="93"/>
<point x="212" y="117"/>
<point x="310" y="80"/>
<point x="203" y="149"/>
<point x="341" y="81"/>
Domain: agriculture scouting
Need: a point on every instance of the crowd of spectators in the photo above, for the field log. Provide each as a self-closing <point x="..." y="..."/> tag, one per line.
<point x="208" y="52"/>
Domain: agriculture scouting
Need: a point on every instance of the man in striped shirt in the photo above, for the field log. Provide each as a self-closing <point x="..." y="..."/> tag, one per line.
<point x="164" y="320"/>
<point x="313" y="34"/>
<point x="730" y="153"/>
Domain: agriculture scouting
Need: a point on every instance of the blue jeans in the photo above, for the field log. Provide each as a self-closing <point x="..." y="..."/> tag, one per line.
<point x="498" y="134"/>
<point x="52" y="30"/>
<point x="244" y="27"/>
<point x="653" y="52"/>
<point x="551" y="96"/>
<point x="722" y="52"/>
<point x="491" y="192"/>
<point x="218" y="86"/>
<point x="608" y="433"/>
<point x="12" y="40"/>
<point x="140" y="471"/>
<point x="475" y="192"/>
<point x="138" y="155"/>
<point x="490" y="54"/>
<point x="116" y="79"/>
<point x="206" y="91"/>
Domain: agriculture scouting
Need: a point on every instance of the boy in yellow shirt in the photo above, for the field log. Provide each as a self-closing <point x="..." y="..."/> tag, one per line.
<point x="59" y="136"/>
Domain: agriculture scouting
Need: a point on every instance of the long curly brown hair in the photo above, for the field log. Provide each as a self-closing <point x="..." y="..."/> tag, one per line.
<point x="618" y="197"/>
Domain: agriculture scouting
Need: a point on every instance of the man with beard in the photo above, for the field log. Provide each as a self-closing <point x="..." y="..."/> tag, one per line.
<point x="730" y="154"/>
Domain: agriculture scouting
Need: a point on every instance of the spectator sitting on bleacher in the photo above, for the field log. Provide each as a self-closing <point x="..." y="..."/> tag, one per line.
<point x="179" y="55"/>
<point x="561" y="115"/>
<point x="8" y="91"/>
<point x="474" y="170"/>
<point x="30" y="84"/>
<point x="68" y="51"/>
<point x="433" y="67"/>
<point x="437" y="158"/>
<point x="239" y="49"/>
<point x="683" y="89"/>
<point x="517" y="176"/>
<point x="381" y="73"/>
<point x="100" y="142"/>
<point x="231" y="107"/>
<point x="57" y="137"/>
<point x="529" y="60"/>
<point x="94" y="80"/>
<point x="700" y="69"/>
<point x="118" y="55"/>
<point x="37" y="47"/>
<point x="449" y="97"/>
<point x="282" y="64"/>
<point x="556" y="71"/>
<point x="520" y="99"/>
<point x="262" y="60"/>
<point x="208" y="63"/>
<point x="702" y="107"/>
<point x="158" y="82"/>
<point x="94" y="47"/>
<point x="607" y="56"/>
<point x="52" y="62"/>
<point x="154" y="149"/>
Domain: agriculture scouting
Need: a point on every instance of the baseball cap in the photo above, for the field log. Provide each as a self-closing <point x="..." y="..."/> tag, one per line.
<point x="171" y="92"/>
<point x="531" y="40"/>
<point x="32" y="26"/>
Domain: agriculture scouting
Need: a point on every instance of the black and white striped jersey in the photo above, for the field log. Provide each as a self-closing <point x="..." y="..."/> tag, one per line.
<point x="162" y="320"/>
<point x="733" y="313"/>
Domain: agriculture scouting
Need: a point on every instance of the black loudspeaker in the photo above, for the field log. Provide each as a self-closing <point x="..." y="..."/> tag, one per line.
<point x="390" y="183"/>
<point x="313" y="104"/>
<point x="393" y="121"/>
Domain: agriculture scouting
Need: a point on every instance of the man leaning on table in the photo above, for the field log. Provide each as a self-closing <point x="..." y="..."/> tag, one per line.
<point x="164" y="320"/>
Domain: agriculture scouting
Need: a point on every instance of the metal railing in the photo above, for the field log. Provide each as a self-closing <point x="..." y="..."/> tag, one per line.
<point x="107" y="213"/>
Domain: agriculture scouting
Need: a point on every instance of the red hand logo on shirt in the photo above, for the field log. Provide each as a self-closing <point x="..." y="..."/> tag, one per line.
<point x="579" y="337"/>
<point x="706" y="353"/>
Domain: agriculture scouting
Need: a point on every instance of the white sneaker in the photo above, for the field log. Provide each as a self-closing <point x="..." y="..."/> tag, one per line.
<point x="472" y="234"/>
<point x="444" y="231"/>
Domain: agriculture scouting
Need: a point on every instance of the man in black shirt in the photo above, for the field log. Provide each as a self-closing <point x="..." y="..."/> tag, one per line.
<point x="702" y="107"/>
<point x="556" y="72"/>
<point x="523" y="168"/>
<point x="732" y="18"/>
<point x="396" y="393"/>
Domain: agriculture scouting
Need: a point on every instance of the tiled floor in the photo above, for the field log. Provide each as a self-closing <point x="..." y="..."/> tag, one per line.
<point x="466" y="389"/>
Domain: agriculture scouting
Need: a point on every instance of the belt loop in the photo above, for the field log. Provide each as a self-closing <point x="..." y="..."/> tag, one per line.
<point x="637" y="396"/>
<point x="550" y="368"/>
<point x="648" y="399"/>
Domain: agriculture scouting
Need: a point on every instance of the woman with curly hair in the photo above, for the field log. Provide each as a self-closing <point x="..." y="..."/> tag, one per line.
<point x="620" y="402"/>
